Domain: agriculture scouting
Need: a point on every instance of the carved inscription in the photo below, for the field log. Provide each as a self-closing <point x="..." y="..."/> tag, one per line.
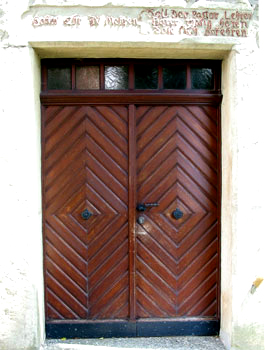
<point x="120" y="21"/>
<point x="197" y="22"/>
<point x="93" y="20"/>
<point x="72" y="21"/>
<point x="164" y="21"/>
<point x="46" y="20"/>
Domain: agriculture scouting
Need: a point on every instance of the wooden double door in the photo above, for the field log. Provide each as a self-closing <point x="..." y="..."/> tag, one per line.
<point x="131" y="219"/>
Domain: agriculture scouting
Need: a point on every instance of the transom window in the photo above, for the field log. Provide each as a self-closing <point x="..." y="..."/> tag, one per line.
<point x="125" y="75"/>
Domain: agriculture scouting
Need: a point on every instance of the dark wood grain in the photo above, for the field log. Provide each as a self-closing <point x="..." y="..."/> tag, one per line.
<point x="85" y="165"/>
<point x="70" y="98"/>
<point x="132" y="212"/>
<point x="177" y="166"/>
<point x="105" y="151"/>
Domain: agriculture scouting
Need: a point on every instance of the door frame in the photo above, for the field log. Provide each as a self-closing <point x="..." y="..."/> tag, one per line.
<point x="116" y="328"/>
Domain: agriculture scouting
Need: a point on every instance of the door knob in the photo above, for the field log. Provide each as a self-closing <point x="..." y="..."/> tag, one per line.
<point x="86" y="214"/>
<point x="144" y="206"/>
<point x="177" y="214"/>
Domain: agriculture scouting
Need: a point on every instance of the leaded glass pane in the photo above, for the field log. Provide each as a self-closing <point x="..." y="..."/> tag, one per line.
<point x="174" y="77"/>
<point x="87" y="77"/>
<point x="146" y="77"/>
<point x="116" y="77"/>
<point x="202" y="78"/>
<point x="59" y="79"/>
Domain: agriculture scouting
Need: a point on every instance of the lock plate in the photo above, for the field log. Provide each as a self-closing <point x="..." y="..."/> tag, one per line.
<point x="141" y="220"/>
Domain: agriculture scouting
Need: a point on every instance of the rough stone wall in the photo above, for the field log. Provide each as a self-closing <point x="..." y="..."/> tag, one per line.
<point x="21" y="46"/>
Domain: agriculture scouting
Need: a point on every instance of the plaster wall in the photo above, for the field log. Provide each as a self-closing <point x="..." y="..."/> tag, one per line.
<point x="21" y="281"/>
<point x="242" y="306"/>
<point x="21" y="47"/>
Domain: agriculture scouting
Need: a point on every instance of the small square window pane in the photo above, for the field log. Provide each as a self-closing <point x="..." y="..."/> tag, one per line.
<point x="202" y="78"/>
<point x="146" y="77"/>
<point x="174" y="77"/>
<point x="59" y="79"/>
<point x="87" y="77"/>
<point x="116" y="77"/>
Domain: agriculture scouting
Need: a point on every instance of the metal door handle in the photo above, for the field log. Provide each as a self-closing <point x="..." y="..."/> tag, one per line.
<point x="144" y="206"/>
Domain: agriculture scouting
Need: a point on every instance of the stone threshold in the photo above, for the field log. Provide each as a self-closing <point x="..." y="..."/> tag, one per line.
<point x="156" y="343"/>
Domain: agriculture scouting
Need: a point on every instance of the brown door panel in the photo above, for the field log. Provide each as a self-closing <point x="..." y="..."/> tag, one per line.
<point x="176" y="167"/>
<point x="86" y="168"/>
<point x="98" y="264"/>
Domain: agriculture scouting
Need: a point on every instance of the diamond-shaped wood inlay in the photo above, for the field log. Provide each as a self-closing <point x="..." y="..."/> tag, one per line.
<point x="88" y="263"/>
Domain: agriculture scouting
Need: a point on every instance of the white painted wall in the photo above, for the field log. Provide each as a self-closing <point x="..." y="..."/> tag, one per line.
<point x="21" y="280"/>
<point x="242" y="322"/>
<point x="21" y="277"/>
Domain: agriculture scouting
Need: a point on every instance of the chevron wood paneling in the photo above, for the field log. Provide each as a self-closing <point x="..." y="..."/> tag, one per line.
<point x="177" y="166"/>
<point x="85" y="166"/>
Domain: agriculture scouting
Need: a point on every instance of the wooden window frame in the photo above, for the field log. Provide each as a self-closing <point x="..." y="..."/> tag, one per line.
<point x="72" y="63"/>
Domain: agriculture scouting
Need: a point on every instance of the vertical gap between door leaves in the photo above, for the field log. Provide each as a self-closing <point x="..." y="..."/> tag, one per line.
<point x="131" y="210"/>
